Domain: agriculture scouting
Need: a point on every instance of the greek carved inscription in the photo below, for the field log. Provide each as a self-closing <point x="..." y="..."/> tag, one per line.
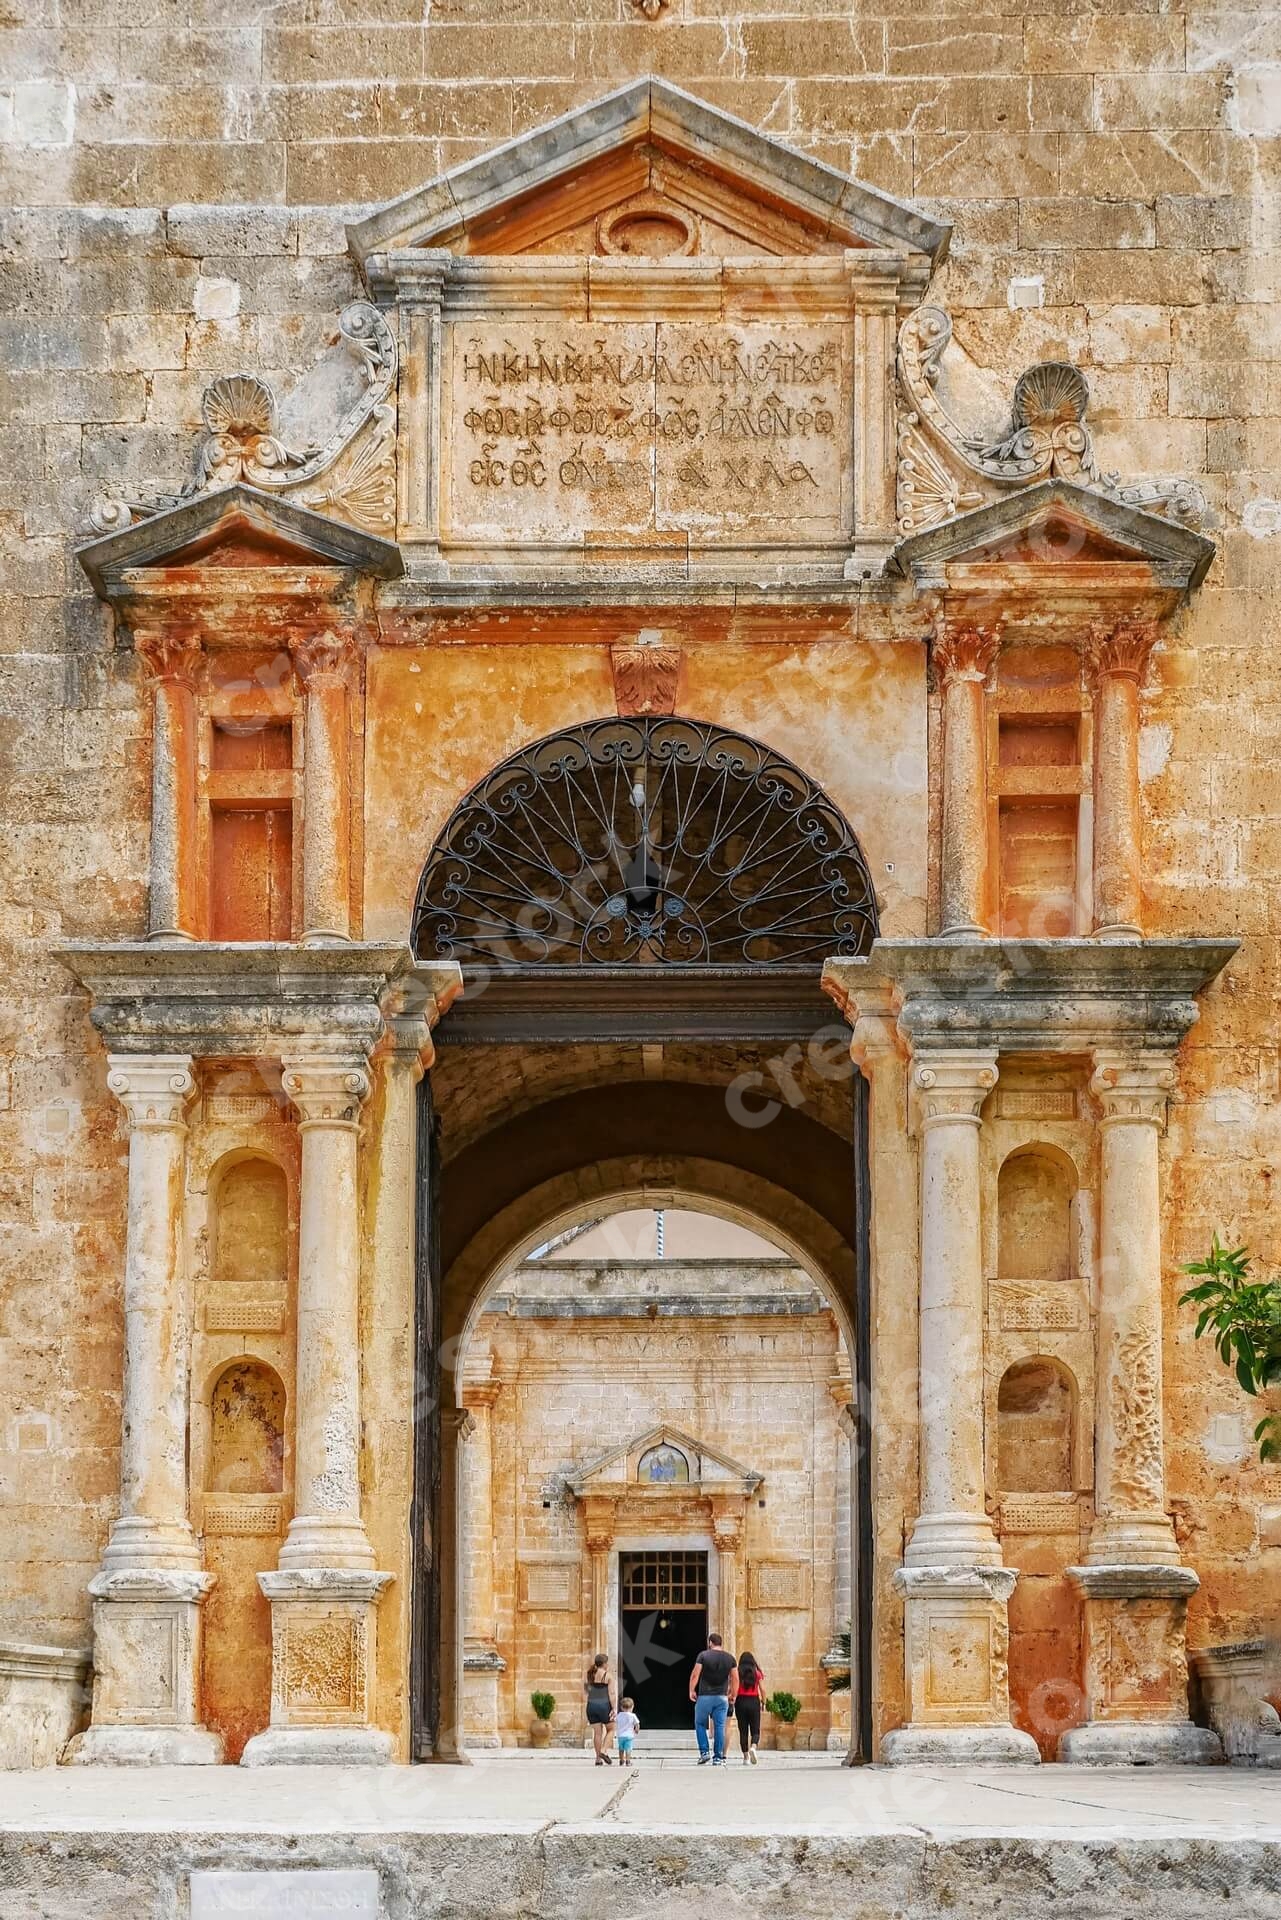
<point x="559" y="429"/>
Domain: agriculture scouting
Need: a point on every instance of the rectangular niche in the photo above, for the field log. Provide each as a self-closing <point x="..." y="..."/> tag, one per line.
<point x="250" y="792"/>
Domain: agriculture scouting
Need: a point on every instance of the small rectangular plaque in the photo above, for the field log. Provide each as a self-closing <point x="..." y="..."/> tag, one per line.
<point x="286" y="1893"/>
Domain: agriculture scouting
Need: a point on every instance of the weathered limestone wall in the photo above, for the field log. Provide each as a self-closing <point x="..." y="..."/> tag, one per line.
<point x="180" y="190"/>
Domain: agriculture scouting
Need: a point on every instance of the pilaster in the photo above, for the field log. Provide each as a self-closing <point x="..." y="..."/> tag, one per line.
<point x="964" y="652"/>
<point x="326" y="664"/>
<point x="1118" y="653"/>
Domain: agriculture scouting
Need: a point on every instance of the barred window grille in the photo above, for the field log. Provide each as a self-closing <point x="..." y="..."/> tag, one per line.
<point x="668" y="1579"/>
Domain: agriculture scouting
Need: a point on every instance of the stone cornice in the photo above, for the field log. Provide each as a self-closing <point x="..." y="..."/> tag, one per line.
<point x="1042" y="996"/>
<point x="218" y="1000"/>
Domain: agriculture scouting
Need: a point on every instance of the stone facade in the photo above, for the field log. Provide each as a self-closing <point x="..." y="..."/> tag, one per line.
<point x="319" y="605"/>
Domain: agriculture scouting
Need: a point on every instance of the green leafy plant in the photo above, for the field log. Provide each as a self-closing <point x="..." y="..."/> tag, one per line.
<point x="1244" y="1318"/>
<point x="785" y="1707"/>
<point x="838" y="1678"/>
<point x="544" y="1704"/>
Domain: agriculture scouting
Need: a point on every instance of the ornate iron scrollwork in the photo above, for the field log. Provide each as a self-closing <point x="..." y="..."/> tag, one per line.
<point x="646" y="841"/>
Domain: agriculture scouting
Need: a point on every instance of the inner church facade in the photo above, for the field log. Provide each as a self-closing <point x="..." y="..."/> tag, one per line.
<point x="630" y="730"/>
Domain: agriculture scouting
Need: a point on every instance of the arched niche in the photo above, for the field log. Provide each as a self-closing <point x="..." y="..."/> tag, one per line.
<point x="250" y="1221"/>
<point x="1035" y="1427"/>
<point x="1035" y="1192"/>
<point x="246" y="1451"/>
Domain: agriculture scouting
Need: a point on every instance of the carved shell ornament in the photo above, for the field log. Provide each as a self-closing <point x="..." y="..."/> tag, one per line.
<point x="939" y="462"/>
<point x="242" y="440"/>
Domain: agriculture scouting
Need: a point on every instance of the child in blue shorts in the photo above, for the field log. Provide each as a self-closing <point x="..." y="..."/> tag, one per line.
<point x="626" y="1728"/>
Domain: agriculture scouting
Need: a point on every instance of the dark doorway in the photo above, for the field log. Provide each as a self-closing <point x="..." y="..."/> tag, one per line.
<point x="662" y="1630"/>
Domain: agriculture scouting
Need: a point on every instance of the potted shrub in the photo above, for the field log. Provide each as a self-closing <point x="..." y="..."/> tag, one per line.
<point x="540" y="1728"/>
<point x="784" y="1708"/>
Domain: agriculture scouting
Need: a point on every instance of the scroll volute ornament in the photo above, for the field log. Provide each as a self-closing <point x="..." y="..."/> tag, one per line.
<point x="327" y="1092"/>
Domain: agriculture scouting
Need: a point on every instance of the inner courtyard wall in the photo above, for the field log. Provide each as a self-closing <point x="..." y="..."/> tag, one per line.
<point x="180" y="187"/>
<point x="575" y="1357"/>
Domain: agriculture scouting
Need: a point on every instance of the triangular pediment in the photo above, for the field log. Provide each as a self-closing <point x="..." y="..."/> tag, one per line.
<point x="237" y="527"/>
<point x="709" y="1469"/>
<point x="1057" y="527"/>
<point x="649" y="170"/>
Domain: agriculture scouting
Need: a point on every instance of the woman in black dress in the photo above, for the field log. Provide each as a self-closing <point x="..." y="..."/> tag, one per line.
<point x="599" y="1690"/>
<point x="747" y="1705"/>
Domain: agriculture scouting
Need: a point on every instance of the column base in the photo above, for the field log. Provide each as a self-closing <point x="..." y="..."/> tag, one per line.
<point x="953" y="1540"/>
<point x="323" y="1542"/>
<point x="997" y="1745"/>
<point x="145" y="1747"/>
<point x="318" y="1747"/>
<point x="1140" y="1743"/>
<point x="137" y="1544"/>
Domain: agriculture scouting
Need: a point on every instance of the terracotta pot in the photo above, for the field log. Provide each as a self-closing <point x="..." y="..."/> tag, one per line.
<point x="784" y="1736"/>
<point x="540" y="1733"/>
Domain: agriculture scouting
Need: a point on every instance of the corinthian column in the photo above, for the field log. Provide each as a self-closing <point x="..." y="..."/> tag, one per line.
<point x="964" y="653"/>
<point x="1120" y="656"/>
<point x="1135" y="1590"/>
<point x="172" y="664"/>
<point x="148" y="1595"/>
<point x="325" y="665"/>
<point x="955" y="1588"/>
<point x="324" y="1595"/>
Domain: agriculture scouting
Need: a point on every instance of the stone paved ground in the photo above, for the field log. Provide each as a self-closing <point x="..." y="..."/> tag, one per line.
<point x="550" y="1837"/>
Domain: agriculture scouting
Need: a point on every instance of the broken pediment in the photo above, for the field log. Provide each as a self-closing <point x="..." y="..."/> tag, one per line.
<point x="649" y="171"/>
<point x="661" y="1458"/>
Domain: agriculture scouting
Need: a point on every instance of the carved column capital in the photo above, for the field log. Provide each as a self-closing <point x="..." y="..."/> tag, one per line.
<point x="965" y="649"/>
<point x="326" y="1089"/>
<point x="1132" y="1087"/>
<point x="600" y="1517"/>
<point x="169" y="659"/>
<point x="325" y="659"/>
<point x="153" y="1088"/>
<point x="951" y="1084"/>
<point x="1122" y="647"/>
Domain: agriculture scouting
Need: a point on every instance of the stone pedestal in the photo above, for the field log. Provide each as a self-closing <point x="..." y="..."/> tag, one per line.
<point x="957" y="1670"/>
<point x="43" y="1695"/>
<point x="323" y="1643"/>
<point x="1136" y="1670"/>
<point x="483" y="1667"/>
<point x="146" y="1649"/>
<point x="1234" y="1683"/>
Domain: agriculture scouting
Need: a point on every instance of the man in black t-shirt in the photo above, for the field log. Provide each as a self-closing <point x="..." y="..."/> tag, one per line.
<point x="712" y="1687"/>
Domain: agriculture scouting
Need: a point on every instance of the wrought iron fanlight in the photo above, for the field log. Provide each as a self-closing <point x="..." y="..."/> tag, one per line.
<point x="645" y="841"/>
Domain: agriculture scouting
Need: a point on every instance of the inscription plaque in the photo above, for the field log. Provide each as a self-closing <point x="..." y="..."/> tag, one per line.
<point x="289" y="1893"/>
<point x="660" y="427"/>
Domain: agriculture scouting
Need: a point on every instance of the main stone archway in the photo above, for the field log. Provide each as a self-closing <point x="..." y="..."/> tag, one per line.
<point x="645" y="906"/>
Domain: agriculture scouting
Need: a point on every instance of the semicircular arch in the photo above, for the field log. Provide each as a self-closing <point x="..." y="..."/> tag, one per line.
<point x="647" y="840"/>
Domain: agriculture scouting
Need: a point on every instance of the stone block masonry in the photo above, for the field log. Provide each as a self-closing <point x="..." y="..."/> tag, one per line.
<point x="176" y="202"/>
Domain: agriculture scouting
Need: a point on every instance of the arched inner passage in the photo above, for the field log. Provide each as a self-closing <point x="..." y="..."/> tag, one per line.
<point x="645" y="842"/>
<point x="658" y="1443"/>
